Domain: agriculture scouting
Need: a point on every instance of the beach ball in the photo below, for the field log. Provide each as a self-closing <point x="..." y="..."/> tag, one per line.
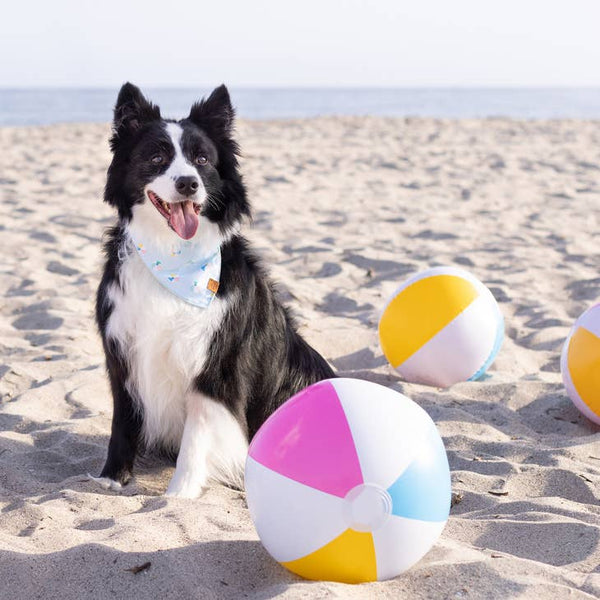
<point x="348" y="481"/>
<point x="440" y="327"/>
<point x="580" y="364"/>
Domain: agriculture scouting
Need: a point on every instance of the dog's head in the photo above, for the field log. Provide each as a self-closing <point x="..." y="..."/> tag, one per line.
<point x="175" y="178"/>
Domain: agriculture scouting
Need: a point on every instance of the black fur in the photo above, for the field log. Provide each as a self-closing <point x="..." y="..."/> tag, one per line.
<point x="257" y="359"/>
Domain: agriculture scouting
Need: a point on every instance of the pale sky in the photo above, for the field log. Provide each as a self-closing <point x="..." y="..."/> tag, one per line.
<point x="281" y="43"/>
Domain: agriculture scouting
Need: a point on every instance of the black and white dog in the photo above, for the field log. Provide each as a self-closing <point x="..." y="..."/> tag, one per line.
<point x="196" y="381"/>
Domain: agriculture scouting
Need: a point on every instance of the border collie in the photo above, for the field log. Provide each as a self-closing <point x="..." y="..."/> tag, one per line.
<point x="195" y="381"/>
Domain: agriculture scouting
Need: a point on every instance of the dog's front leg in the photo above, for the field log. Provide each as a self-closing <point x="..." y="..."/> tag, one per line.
<point x="125" y="431"/>
<point x="192" y="461"/>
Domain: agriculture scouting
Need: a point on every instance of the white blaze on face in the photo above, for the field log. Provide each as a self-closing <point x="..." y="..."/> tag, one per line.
<point x="164" y="185"/>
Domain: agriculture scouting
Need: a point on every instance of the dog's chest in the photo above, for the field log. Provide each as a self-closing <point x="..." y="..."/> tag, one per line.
<point x="166" y="342"/>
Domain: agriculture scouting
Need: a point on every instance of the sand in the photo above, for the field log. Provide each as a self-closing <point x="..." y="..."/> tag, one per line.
<point x="345" y="209"/>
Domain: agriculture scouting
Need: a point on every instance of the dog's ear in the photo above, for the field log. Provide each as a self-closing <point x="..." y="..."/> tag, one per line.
<point x="214" y="114"/>
<point x="132" y="111"/>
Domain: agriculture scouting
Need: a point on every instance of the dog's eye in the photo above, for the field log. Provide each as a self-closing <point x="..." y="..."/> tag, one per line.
<point x="201" y="160"/>
<point x="157" y="159"/>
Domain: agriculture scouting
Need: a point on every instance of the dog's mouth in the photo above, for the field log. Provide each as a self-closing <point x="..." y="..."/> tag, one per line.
<point x="182" y="217"/>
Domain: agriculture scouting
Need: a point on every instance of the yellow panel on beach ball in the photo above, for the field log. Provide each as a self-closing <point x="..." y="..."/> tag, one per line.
<point x="415" y="315"/>
<point x="580" y="364"/>
<point x="440" y="327"/>
<point x="350" y="558"/>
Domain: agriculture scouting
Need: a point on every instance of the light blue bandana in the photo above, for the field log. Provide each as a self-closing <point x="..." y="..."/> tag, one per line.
<point x="186" y="270"/>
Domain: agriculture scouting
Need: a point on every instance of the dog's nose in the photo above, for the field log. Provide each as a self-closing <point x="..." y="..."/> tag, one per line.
<point x="187" y="185"/>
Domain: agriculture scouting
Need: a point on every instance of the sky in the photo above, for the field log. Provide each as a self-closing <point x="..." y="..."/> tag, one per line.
<point x="307" y="43"/>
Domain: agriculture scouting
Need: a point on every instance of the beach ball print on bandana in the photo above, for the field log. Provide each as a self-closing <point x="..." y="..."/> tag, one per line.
<point x="186" y="269"/>
<point x="348" y="481"/>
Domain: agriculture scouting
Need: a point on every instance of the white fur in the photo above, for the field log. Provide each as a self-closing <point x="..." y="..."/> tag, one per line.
<point x="106" y="483"/>
<point x="213" y="446"/>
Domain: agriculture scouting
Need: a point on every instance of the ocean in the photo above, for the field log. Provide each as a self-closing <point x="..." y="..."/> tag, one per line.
<point x="46" y="106"/>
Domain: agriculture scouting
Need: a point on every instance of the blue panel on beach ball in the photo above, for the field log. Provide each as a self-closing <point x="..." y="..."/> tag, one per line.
<point x="423" y="491"/>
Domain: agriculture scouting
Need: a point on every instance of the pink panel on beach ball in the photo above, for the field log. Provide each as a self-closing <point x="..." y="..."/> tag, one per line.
<point x="308" y="440"/>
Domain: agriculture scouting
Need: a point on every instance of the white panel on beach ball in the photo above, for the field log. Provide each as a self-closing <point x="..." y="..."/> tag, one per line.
<point x="440" y="327"/>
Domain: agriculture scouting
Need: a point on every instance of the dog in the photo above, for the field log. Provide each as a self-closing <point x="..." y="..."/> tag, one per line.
<point x="194" y="380"/>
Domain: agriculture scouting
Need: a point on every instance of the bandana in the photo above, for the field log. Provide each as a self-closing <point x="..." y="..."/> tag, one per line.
<point x="186" y="270"/>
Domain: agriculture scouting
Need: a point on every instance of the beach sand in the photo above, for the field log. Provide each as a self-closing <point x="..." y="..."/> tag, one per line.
<point x="345" y="209"/>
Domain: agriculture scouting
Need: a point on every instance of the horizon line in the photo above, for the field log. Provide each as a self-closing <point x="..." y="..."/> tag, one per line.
<point x="311" y="87"/>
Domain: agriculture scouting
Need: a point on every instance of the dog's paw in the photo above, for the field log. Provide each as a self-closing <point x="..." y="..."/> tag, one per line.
<point x="179" y="489"/>
<point x="107" y="483"/>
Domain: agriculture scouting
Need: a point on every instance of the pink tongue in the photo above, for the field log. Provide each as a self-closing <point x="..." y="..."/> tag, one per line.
<point x="183" y="219"/>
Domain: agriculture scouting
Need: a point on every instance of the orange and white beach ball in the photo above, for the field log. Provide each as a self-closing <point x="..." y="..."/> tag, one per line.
<point x="580" y="364"/>
<point x="440" y="327"/>
<point x="348" y="481"/>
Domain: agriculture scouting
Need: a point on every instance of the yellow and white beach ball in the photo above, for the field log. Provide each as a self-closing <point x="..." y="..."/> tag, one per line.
<point x="580" y="364"/>
<point x="440" y="327"/>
